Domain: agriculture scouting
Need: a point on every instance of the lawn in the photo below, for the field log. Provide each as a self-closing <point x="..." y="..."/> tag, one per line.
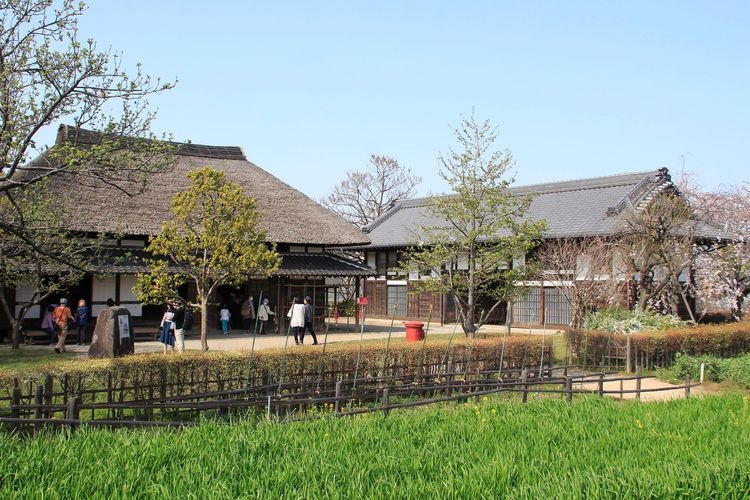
<point x="29" y="357"/>
<point x="592" y="447"/>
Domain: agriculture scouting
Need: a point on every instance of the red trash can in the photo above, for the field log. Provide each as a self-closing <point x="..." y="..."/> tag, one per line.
<point x="414" y="331"/>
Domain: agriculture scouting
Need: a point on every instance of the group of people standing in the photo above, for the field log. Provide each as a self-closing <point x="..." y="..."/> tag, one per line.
<point x="173" y="328"/>
<point x="301" y="320"/>
<point x="248" y="314"/>
<point x="58" y="321"/>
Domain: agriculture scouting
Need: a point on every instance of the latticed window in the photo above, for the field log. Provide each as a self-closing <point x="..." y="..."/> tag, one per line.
<point x="397" y="298"/>
<point x="526" y="309"/>
<point x="556" y="307"/>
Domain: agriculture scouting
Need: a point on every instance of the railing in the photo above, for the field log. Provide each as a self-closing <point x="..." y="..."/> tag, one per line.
<point x="295" y="400"/>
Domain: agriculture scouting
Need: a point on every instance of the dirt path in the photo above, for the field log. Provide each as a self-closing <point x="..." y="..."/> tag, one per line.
<point x="666" y="390"/>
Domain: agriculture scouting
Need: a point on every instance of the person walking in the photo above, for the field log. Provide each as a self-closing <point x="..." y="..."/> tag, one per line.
<point x="48" y="324"/>
<point x="83" y="318"/>
<point x="179" y="324"/>
<point x="264" y="314"/>
<point x="296" y="317"/>
<point x="309" y="318"/>
<point x="248" y="314"/>
<point x="63" y="317"/>
<point x="167" y="329"/>
<point x="224" y="317"/>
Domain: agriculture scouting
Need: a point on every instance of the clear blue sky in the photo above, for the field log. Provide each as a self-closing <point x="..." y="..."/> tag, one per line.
<point x="577" y="89"/>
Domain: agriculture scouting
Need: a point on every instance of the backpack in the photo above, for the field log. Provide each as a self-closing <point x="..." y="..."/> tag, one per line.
<point x="187" y="322"/>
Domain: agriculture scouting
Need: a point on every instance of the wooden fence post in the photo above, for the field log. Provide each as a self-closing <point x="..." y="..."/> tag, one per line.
<point x="628" y="364"/>
<point x="569" y="388"/>
<point x="386" y="400"/>
<point x="524" y="385"/>
<point x="687" y="386"/>
<point x="38" y="402"/>
<point x="601" y="384"/>
<point x="15" y="401"/>
<point x="48" y="386"/>
<point x="337" y="402"/>
<point x="73" y="411"/>
<point x="638" y="384"/>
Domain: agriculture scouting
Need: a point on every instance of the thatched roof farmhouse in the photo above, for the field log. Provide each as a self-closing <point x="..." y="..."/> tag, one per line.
<point x="302" y="230"/>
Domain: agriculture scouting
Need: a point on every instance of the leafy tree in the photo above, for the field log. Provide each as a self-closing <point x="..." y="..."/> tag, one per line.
<point x="212" y="239"/>
<point x="366" y="194"/>
<point x="47" y="74"/>
<point x="485" y="229"/>
<point x="35" y="220"/>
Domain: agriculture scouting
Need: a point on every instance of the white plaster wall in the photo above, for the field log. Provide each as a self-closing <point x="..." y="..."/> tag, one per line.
<point x="24" y="292"/>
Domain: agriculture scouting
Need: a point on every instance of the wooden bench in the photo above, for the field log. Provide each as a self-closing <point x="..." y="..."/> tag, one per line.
<point x="35" y="337"/>
<point x="145" y="332"/>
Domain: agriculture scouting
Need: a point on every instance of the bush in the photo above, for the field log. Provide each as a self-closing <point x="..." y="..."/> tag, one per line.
<point x="621" y="320"/>
<point x="205" y="372"/>
<point x="735" y="370"/>
<point x="347" y="307"/>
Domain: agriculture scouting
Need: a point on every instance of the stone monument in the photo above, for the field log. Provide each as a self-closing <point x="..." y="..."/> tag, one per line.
<point x="113" y="335"/>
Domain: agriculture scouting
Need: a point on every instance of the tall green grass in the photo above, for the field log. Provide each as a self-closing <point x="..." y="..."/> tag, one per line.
<point x="697" y="448"/>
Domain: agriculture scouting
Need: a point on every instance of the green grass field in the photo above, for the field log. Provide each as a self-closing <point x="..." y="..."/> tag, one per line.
<point x="29" y="357"/>
<point x="595" y="448"/>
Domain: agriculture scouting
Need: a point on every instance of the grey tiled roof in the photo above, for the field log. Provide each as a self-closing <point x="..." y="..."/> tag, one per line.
<point x="584" y="207"/>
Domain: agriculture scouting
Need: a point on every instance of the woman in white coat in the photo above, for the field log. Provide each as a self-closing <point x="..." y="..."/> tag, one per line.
<point x="296" y="317"/>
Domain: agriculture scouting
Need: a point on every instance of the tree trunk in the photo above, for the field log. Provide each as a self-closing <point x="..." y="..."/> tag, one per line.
<point x="204" y="324"/>
<point x="10" y="316"/>
<point x="508" y="316"/>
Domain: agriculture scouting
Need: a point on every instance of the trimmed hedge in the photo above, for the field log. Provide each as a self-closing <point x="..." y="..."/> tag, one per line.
<point x="658" y="349"/>
<point x="145" y="376"/>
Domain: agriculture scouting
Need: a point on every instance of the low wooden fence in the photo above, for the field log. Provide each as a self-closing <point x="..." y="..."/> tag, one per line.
<point x="301" y="400"/>
<point x="651" y="350"/>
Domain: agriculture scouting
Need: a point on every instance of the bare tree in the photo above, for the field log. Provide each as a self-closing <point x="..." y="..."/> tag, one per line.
<point x="586" y="271"/>
<point x="366" y="194"/>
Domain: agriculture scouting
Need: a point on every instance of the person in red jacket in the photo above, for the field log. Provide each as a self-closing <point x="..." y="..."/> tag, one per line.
<point x="63" y="317"/>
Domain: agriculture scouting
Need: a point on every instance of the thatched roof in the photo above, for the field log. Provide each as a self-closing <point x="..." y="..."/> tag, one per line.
<point x="287" y="215"/>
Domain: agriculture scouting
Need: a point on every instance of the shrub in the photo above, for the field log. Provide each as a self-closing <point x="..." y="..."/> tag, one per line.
<point x="347" y="307"/>
<point x="621" y="320"/>
<point x="192" y="372"/>
<point x="736" y="370"/>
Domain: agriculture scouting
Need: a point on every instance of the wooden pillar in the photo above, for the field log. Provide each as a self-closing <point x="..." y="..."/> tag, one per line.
<point x="281" y="316"/>
<point x="117" y="288"/>
<point x="541" y="303"/>
<point x="356" y="295"/>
